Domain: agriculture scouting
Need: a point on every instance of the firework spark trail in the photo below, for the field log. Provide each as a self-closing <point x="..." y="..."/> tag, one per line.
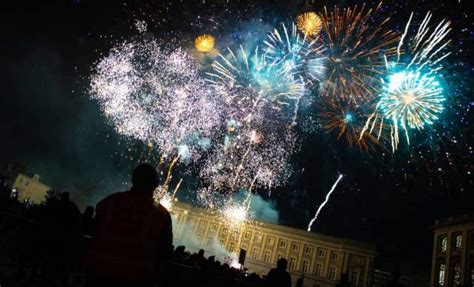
<point x="324" y="203"/>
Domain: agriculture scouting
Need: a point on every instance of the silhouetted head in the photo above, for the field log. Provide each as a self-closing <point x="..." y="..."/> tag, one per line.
<point x="145" y="178"/>
<point x="201" y="252"/>
<point x="64" y="196"/>
<point x="282" y="263"/>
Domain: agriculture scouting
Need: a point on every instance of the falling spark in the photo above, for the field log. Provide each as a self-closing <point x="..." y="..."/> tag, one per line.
<point x="324" y="203"/>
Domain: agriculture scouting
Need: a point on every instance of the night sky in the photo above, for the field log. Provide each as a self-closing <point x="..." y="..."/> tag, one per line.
<point x="50" y="126"/>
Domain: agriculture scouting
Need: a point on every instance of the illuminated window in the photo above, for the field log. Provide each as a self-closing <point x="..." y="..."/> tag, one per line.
<point x="292" y="263"/>
<point x="321" y="252"/>
<point x="283" y="243"/>
<point x="457" y="275"/>
<point x="270" y="241"/>
<point x="319" y="269"/>
<point x="295" y="247"/>
<point x="334" y="256"/>
<point x="355" y="275"/>
<point x="305" y="266"/>
<point x="443" y="244"/>
<point x="210" y="241"/>
<point x="267" y="256"/>
<point x="231" y="247"/>
<point x="458" y="241"/>
<point x="247" y="235"/>
<point x="441" y="274"/>
<point x="202" y="225"/>
<point x="332" y="273"/>
<point x="213" y="227"/>
<point x="308" y="250"/>
<point x="255" y="253"/>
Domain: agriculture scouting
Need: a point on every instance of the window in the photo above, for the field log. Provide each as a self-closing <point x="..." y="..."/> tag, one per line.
<point x="199" y="236"/>
<point x="295" y="247"/>
<point x="334" y="256"/>
<point x="225" y="230"/>
<point x="213" y="227"/>
<point x="280" y="256"/>
<point x="283" y="243"/>
<point x="258" y="237"/>
<point x="247" y="235"/>
<point x="332" y="273"/>
<point x="458" y="241"/>
<point x="355" y="275"/>
<point x="308" y="250"/>
<point x="255" y="253"/>
<point x="202" y="225"/>
<point x="292" y="263"/>
<point x="231" y="247"/>
<point x="210" y="241"/>
<point x="267" y="256"/>
<point x="441" y="274"/>
<point x="322" y="252"/>
<point x="221" y="240"/>
<point x="270" y="241"/>
<point x="244" y="246"/>
<point x="456" y="274"/>
<point x="443" y="245"/>
<point x="319" y="269"/>
<point x="305" y="266"/>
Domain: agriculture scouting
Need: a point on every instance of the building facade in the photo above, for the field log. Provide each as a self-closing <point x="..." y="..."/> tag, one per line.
<point x="453" y="253"/>
<point x="30" y="188"/>
<point x="318" y="258"/>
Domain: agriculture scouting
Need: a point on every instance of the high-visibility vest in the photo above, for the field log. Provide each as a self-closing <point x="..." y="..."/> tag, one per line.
<point x="131" y="235"/>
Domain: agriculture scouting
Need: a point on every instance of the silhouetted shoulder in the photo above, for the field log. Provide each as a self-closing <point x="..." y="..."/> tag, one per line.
<point x="110" y="198"/>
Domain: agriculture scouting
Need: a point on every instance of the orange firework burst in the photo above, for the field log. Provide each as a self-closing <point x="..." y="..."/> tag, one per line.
<point x="309" y="23"/>
<point x="347" y="120"/>
<point x="356" y="44"/>
<point x="204" y="43"/>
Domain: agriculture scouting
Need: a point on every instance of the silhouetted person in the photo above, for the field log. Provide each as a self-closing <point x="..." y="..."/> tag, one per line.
<point x="299" y="282"/>
<point x="279" y="277"/>
<point x="88" y="221"/>
<point x="133" y="235"/>
<point x="344" y="282"/>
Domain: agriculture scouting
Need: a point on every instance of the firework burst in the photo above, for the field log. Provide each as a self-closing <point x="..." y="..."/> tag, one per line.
<point x="412" y="96"/>
<point x="204" y="43"/>
<point x="291" y="53"/>
<point x="309" y="23"/>
<point x="356" y="43"/>
<point x="156" y="95"/>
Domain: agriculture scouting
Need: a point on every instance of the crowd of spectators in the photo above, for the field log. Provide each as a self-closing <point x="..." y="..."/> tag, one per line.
<point x="45" y="245"/>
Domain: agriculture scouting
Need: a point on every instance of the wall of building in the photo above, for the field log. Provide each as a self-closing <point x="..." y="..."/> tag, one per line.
<point x="453" y="253"/>
<point x="319" y="259"/>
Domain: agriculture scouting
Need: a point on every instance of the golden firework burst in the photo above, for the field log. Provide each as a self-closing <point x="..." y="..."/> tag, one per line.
<point x="309" y="23"/>
<point x="204" y="43"/>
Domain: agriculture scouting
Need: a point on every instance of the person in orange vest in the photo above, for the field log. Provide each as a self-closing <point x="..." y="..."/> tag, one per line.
<point x="133" y="236"/>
